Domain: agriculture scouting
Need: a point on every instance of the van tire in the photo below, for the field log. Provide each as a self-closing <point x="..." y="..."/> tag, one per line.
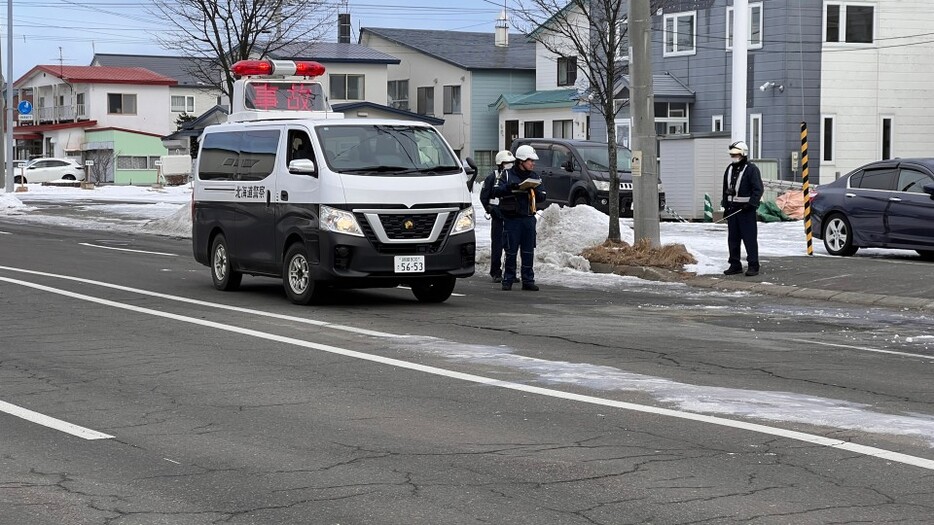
<point x="225" y="278"/>
<point x="296" y="276"/>
<point x="436" y="290"/>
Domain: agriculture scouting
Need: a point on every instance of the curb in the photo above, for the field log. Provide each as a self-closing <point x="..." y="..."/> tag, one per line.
<point x="716" y="283"/>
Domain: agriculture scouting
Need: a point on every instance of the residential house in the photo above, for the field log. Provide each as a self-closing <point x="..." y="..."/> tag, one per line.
<point x="456" y="76"/>
<point x="84" y="112"/>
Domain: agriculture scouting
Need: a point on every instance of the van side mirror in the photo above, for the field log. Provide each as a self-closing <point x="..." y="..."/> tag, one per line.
<point x="303" y="167"/>
<point x="471" y="171"/>
<point x="929" y="189"/>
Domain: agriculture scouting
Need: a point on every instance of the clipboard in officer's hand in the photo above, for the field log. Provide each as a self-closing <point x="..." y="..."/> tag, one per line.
<point x="529" y="183"/>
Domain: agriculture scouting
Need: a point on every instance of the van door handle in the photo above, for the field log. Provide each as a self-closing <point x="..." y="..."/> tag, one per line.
<point x="285" y="195"/>
<point x="894" y="199"/>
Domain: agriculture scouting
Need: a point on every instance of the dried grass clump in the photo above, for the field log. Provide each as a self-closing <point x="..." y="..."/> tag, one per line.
<point x="670" y="256"/>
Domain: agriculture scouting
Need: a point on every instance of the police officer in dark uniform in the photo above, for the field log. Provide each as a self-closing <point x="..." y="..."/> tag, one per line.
<point x="742" y="190"/>
<point x="504" y="161"/>
<point x="519" y="197"/>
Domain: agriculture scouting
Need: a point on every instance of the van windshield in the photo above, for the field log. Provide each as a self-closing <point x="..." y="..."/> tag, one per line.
<point x="386" y="150"/>
<point x="597" y="158"/>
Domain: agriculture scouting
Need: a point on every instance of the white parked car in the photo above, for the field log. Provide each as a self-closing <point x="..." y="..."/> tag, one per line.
<point x="45" y="170"/>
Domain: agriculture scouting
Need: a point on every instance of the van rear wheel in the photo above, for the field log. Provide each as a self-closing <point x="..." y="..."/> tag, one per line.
<point x="222" y="273"/>
<point x="435" y="290"/>
<point x="296" y="276"/>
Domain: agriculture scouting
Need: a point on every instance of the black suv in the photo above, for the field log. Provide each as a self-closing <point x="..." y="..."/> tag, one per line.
<point x="577" y="172"/>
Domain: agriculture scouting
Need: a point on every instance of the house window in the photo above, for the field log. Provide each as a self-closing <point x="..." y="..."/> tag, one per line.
<point x="716" y="123"/>
<point x="671" y="118"/>
<point x="183" y="103"/>
<point x="567" y="71"/>
<point x="886" y="137"/>
<point x="562" y="129"/>
<point x="755" y="136"/>
<point x="755" y="26"/>
<point x="848" y="22"/>
<point x="119" y="103"/>
<point x="126" y="162"/>
<point x="452" y="99"/>
<point x="346" y="87"/>
<point x="79" y="103"/>
<point x="398" y="94"/>
<point x="827" y="132"/>
<point x="534" y="129"/>
<point x="425" y="105"/>
<point x="680" y="34"/>
<point x="623" y="132"/>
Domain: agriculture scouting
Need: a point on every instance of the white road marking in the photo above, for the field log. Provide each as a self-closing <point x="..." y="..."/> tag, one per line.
<point x="593" y="400"/>
<point x="292" y="318"/>
<point x="863" y="348"/>
<point x="51" y="422"/>
<point x="5" y="233"/>
<point x="126" y="249"/>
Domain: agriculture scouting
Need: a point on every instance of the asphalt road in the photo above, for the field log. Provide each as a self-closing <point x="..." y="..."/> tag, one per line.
<point x="638" y="404"/>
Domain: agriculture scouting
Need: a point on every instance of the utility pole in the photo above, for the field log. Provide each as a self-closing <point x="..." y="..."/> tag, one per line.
<point x="8" y="110"/>
<point x="740" y="52"/>
<point x="642" y="109"/>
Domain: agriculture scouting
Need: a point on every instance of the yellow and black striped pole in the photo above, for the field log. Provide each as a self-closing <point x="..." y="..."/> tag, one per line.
<point x="804" y="186"/>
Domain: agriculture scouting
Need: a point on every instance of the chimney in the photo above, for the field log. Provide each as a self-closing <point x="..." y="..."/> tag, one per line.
<point x="343" y="28"/>
<point x="502" y="30"/>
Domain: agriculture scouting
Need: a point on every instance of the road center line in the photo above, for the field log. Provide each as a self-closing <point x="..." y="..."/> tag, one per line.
<point x="51" y="422"/>
<point x="862" y="348"/>
<point x="126" y="249"/>
<point x="593" y="400"/>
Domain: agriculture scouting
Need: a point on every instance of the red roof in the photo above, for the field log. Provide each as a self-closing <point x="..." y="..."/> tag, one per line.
<point x="101" y="75"/>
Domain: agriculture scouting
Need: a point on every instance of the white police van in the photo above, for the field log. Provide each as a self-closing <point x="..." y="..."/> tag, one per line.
<point x="288" y="189"/>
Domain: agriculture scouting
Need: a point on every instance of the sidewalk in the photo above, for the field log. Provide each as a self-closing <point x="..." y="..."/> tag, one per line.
<point x="891" y="281"/>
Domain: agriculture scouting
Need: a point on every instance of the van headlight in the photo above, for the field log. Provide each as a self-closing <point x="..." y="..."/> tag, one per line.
<point x="464" y="221"/>
<point x="602" y="185"/>
<point x="338" y="221"/>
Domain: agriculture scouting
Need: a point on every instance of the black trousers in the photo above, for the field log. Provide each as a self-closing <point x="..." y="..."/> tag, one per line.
<point x="743" y="228"/>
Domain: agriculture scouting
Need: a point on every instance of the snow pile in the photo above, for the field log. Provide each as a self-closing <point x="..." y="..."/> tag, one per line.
<point x="10" y="205"/>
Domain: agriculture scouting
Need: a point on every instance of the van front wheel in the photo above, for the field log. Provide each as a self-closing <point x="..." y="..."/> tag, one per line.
<point x="296" y="276"/>
<point x="222" y="273"/>
<point x="435" y="290"/>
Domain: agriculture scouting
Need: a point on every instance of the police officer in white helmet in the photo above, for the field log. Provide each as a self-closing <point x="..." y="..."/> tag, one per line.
<point x="504" y="160"/>
<point x="520" y="193"/>
<point x="742" y="191"/>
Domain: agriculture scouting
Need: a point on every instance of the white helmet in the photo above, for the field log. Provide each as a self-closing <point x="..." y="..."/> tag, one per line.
<point x="526" y="152"/>
<point x="504" y="156"/>
<point x="739" y="148"/>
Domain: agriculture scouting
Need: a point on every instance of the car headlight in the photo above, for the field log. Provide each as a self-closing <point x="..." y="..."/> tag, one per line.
<point x="338" y="221"/>
<point x="602" y="185"/>
<point x="464" y="221"/>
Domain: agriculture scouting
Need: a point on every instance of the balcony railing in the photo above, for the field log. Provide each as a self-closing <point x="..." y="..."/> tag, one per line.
<point x="61" y="113"/>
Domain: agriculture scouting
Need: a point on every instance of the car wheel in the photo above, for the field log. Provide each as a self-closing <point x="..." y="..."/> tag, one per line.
<point x="68" y="177"/>
<point x="838" y="236"/>
<point x="580" y="200"/>
<point x="222" y="273"/>
<point x="926" y="255"/>
<point x="435" y="290"/>
<point x="296" y="276"/>
<point x="19" y="179"/>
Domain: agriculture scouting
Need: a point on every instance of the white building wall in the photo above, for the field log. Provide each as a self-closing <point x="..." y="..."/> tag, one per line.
<point x="374" y="87"/>
<point x="546" y="62"/>
<point x="204" y="99"/>
<point x="548" y="116"/>
<point x="891" y="77"/>
<point x="151" y="115"/>
<point x="424" y="71"/>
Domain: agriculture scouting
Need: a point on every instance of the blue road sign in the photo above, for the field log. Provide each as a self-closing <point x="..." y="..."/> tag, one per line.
<point x="25" y="107"/>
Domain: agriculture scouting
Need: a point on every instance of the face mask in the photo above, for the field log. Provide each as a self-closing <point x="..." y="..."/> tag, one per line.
<point x="735" y="160"/>
<point x="507" y="165"/>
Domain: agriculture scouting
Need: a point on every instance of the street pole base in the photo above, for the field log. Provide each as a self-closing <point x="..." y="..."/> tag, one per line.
<point x="21" y="188"/>
<point x="85" y="185"/>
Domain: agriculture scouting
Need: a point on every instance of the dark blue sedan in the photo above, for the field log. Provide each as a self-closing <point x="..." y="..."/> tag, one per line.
<point x="884" y="204"/>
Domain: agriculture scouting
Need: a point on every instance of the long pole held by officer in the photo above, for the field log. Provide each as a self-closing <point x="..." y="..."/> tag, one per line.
<point x="742" y="191"/>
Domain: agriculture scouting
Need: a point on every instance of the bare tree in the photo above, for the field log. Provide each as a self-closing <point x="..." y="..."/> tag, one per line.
<point x="218" y="33"/>
<point x="592" y="32"/>
<point x="103" y="160"/>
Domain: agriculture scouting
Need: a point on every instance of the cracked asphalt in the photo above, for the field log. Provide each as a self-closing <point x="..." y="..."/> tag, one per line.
<point x="308" y="416"/>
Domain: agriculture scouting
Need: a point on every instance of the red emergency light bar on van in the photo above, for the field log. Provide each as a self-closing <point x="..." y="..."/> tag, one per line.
<point x="245" y="68"/>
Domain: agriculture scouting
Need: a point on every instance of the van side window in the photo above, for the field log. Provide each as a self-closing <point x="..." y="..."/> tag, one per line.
<point x="561" y="156"/>
<point x="220" y="156"/>
<point x="299" y="146"/>
<point x="258" y="154"/>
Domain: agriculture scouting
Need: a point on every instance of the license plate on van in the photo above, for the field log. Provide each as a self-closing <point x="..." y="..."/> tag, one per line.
<point x="410" y="263"/>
